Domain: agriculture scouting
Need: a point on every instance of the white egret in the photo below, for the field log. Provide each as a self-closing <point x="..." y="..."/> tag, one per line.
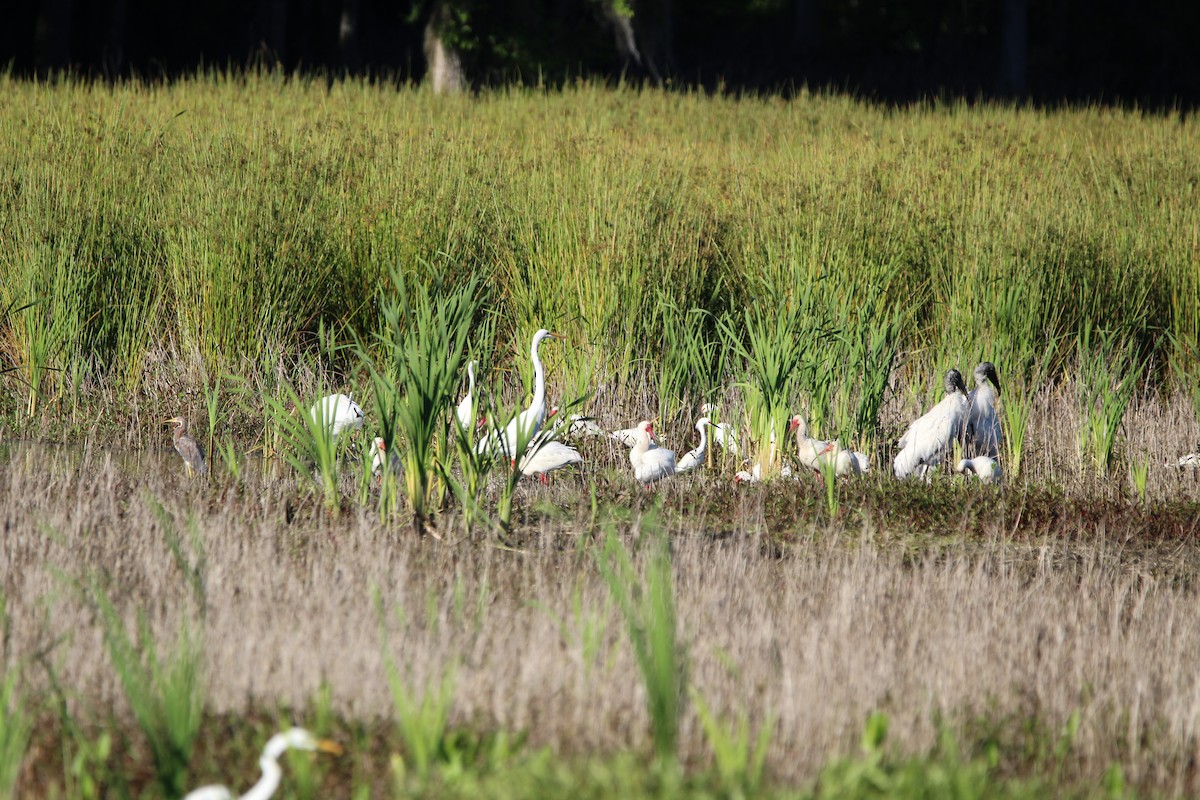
<point x="986" y="468"/>
<point x="337" y="412"/>
<point x="650" y="462"/>
<point x="466" y="407"/>
<point x="927" y="439"/>
<point x="725" y="436"/>
<point x="529" y="422"/>
<point x="187" y="447"/>
<point x="277" y="745"/>
<point x="983" y="436"/>
<point x="695" y="458"/>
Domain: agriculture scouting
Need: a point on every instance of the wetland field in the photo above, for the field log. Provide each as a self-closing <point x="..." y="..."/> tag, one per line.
<point x="230" y="249"/>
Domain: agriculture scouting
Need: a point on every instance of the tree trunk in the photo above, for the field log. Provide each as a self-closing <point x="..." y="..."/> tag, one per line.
<point x="1016" y="34"/>
<point x="443" y="61"/>
<point x="626" y="42"/>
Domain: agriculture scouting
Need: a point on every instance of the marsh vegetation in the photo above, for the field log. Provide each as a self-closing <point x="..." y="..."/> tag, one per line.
<point x="232" y="249"/>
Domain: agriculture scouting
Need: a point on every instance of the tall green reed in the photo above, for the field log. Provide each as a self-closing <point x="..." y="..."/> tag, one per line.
<point x="778" y="345"/>
<point x="740" y="760"/>
<point x="165" y="693"/>
<point x="422" y="343"/>
<point x="1109" y="369"/>
<point x="16" y="725"/>
<point x="647" y="604"/>
<point x="306" y="440"/>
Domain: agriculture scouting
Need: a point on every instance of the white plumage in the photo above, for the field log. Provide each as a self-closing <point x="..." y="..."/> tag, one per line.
<point x="526" y="424"/>
<point x="725" y="437"/>
<point x="986" y="468"/>
<point x="695" y="458"/>
<point x="983" y="436"/>
<point x="930" y="437"/>
<point x="466" y="407"/>
<point x="277" y="745"/>
<point x="337" y="412"/>
<point x="547" y="457"/>
<point x="380" y="455"/>
<point x="650" y="462"/>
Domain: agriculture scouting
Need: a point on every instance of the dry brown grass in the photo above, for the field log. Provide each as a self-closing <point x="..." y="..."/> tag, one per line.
<point x="1001" y="611"/>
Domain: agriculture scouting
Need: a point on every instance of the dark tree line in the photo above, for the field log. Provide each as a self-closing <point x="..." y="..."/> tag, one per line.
<point x="1051" y="50"/>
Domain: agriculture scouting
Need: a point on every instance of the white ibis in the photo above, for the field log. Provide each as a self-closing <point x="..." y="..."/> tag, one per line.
<point x="650" y="462"/>
<point x="985" y="468"/>
<point x="337" y="412"/>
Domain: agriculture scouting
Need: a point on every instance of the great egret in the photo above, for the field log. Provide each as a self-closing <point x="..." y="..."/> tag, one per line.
<point x="983" y="424"/>
<point x="695" y="458"/>
<point x="277" y="745"/>
<point x="337" y="412"/>
<point x="725" y="437"/>
<point x="986" y="468"/>
<point x="187" y="447"/>
<point x="927" y="440"/>
<point x="650" y="462"/>
<point x="466" y="407"/>
<point x="529" y="422"/>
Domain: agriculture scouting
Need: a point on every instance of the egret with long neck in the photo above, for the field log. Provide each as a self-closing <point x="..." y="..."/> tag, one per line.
<point x="526" y="424"/>
<point x="277" y="745"/>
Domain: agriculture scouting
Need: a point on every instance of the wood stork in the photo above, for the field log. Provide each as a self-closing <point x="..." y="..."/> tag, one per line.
<point x="272" y="774"/>
<point x="986" y="468"/>
<point x="650" y="462"/>
<point x="187" y="447"/>
<point x="983" y="436"/>
<point x="929" y="438"/>
<point x="695" y="458"/>
<point x="337" y="412"/>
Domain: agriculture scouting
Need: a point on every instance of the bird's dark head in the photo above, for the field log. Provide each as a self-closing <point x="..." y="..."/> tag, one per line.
<point x="954" y="382"/>
<point x="987" y="371"/>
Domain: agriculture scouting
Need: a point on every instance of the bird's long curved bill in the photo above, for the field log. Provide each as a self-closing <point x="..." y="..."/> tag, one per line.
<point x="329" y="746"/>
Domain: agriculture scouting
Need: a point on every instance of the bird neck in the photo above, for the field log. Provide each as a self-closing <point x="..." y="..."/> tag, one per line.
<point x="703" y="437"/>
<point x="539" y="380"/>
<point x="268" y="783"/>
<point x="471" y="378"/>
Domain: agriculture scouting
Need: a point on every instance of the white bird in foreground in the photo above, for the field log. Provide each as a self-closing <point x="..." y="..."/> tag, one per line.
<point x="986" y="468"/>
<point x="650" y="462"/>
<point x="466" y="407"/>
<point x="695" y="458"/>
<point x="928" y="439"/>
<point x="983" y="435"/>
<point x="725" y="437"/>
<point x="337" y="412"/>
<point x="277" y="745"/>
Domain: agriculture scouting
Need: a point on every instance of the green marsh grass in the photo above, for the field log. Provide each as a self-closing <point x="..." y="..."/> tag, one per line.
<point x="187" y="218"/>
<point x="166" y="694"/>
<point x="423" y="340"/>
<point x="647" y="605"/>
